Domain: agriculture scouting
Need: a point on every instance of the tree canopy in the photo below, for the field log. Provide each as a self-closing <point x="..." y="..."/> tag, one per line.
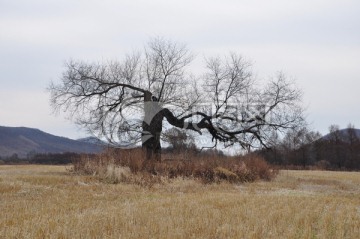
<point x="126" y="101"/>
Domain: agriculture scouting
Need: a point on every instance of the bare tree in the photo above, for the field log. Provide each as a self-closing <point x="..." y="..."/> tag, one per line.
<point x="353" y="143"/>
<point x="336" y="140"/>
<point x="298" y="146"/>
<point x="127" y="101"/>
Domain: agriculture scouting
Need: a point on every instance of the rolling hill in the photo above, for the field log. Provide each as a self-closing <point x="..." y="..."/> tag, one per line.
<point x="22" y="141"/>
<point x="343" y="134"/>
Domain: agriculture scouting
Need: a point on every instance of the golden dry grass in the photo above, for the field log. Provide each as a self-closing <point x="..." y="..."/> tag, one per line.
<point x="50" y="202"/>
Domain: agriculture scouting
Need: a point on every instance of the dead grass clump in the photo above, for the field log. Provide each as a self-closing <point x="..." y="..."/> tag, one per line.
<point x="258" y="168"/>
<point x="116" y="174"/>
<point x="115" y="166"/>
<point x="225" y="174"/>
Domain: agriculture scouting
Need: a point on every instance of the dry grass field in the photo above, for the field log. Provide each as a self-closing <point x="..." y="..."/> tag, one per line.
<point x="51" y="202"/>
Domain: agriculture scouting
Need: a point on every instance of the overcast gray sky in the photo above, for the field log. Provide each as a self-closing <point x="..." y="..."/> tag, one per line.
<point x="317" y="42"/>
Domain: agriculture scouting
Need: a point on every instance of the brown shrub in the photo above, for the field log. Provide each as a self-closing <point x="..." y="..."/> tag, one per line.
<point x="322" y="165"/>
<point x="225" y="174"/>
<point x="258" y="168"/>
<point x="115" y="165"/>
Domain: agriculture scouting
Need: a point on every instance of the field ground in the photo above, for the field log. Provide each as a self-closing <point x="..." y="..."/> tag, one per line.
<point x="50" y="202"/>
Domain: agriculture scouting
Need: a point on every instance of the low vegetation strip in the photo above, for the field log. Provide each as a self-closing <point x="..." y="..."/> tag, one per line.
<point x="51" y="202"/>
<point x="116" y="165"/>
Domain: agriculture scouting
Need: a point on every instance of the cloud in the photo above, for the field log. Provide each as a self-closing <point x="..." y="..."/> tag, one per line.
<point x="316" y="42"/>
<point x="31" y="109"/>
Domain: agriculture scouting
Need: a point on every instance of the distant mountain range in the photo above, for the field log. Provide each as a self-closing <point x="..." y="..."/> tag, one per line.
<point x="24" y="141"/>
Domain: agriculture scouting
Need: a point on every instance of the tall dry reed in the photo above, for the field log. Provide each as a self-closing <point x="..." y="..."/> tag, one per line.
<point x="130" y="165"/>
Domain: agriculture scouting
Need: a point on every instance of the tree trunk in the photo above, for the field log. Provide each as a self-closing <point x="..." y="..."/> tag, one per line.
<point x="152" y="127"/>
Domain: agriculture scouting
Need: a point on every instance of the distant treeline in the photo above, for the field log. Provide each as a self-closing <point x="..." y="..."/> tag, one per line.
<point x="302" y="149"/>
<point x="69" y="157"/>
<point x="339" y="150"/>
<point x="45" y="158"/>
